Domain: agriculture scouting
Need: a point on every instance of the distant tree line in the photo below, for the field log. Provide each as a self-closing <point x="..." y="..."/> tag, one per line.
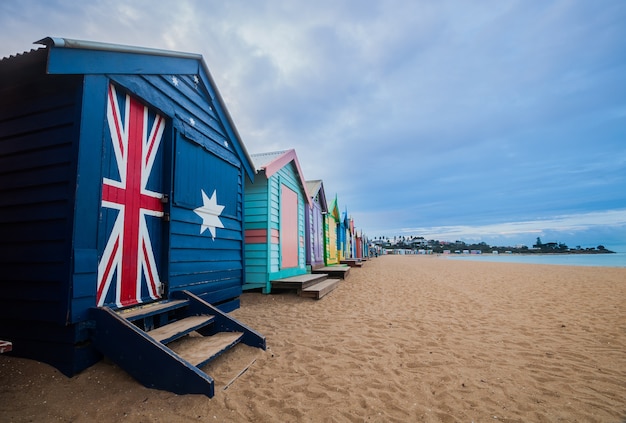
<point x="418" y="242"/>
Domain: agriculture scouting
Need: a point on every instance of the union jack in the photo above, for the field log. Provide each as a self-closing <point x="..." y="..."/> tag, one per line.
<point x="127" y="272"/>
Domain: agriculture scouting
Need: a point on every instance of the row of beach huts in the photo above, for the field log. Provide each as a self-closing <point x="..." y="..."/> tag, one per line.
<point x="132" y="215"/>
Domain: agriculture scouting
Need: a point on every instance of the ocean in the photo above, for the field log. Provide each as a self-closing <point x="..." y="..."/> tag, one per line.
<point x="604" y="260"/>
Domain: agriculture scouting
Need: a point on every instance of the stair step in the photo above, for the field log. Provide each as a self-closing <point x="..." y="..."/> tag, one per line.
<point x="320" y="289"/>
<point x="336" y="271"/>
<point x="147" y="310"/>
<point x="352" y="262"/>
<point x="180" y="328"/>
<point x="200" y="350"/>
<point x="299" y="281"/>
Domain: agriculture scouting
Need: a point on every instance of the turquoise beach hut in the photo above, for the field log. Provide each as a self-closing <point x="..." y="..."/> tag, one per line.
<point x="274" y="220"/>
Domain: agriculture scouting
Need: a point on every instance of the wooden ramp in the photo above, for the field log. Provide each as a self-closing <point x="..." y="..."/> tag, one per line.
<point x="338" y="271"/>
<point x="310" y="285"/>
<point x="164" y="344"/>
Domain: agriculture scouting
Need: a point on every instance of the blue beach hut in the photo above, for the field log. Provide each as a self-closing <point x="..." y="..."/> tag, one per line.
<point x="275" y="220"/>
<point x="121" y="214"/>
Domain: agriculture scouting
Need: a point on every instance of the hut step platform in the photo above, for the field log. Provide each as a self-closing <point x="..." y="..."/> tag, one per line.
<point x="320" y="289"/>
<point x="352" y="262"/>
<point x="340" y="271"/>
<point x="311" y="285"/>
<point x="164" y="344"/>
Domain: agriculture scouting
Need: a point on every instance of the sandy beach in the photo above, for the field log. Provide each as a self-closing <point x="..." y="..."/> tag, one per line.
<point x="403" y="339"/>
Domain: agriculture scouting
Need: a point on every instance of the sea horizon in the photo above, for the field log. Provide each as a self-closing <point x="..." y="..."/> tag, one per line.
<point x="617" y="259"/>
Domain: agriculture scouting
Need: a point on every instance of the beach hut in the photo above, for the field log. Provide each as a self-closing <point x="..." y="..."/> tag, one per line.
<point x="275" y="220"/>
<point x="343" y="236"/>
<point x="315" y="224"/>
<point x="359" y="245"/>
<point x="331" y="230"/>
<point x="121" y="214"/>
<point x="352" y="234"/>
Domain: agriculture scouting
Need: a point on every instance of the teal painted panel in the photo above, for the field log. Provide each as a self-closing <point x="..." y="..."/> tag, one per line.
<point x="257" y="278"/>
<point x="256" y="219"/>
<point x="255" y="197"/>
<point x="256" y="225"/>
<point x="252" y="265"/>
<point x="255" y="207"/>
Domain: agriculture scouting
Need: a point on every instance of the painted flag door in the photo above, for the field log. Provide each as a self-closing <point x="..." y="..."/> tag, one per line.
<point x="130" y="234"/>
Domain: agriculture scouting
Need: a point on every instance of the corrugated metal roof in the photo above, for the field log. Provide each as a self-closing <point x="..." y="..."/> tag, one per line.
<point x="17" y="55"/>
<point x="26" y="63"/>
<point x="316" y="187"/>
<point x="261" y="160"/>
<point x="271" y="162"/>
<point x="313" y="186"/>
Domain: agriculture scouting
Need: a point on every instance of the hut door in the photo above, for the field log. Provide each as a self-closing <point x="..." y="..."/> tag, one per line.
<point x="288" y="228"/>
<point x="130" y="234"/>
<point x="317" y="234"/>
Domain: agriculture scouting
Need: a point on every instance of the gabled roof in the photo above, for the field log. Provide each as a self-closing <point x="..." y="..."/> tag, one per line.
<point x="345" y="218"/>
<point x="317" y="187"/>
<point x="333" y="209"/>
<point x="272" y="162"/>
<point x="67" y="56"/>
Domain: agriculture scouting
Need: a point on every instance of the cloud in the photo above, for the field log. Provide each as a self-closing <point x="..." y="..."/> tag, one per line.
<point x="417" y="114"/>
<point x="558" y="227"/>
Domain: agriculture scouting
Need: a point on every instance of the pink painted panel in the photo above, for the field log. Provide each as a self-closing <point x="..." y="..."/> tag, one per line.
<point x="256" y="236"/>
<point x="274" y="236"/>
<point x="288" y="227"/>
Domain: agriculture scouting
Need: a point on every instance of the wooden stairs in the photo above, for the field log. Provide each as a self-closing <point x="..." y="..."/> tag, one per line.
<point x="141" y="341"/>
<point x="309" y="285"/>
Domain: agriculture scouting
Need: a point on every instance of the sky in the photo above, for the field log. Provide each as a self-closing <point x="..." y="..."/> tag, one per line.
<point x="492" y="120"/>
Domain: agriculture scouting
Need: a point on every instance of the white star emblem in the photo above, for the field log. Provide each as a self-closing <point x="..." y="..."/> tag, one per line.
<point x="192" y="121"/>
<point x="210" y="212"/>
<point x="175" y="81"/>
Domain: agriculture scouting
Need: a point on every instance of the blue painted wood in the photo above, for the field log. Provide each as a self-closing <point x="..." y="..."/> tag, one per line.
<point x="37" y="188"/>
<point x="53" y="122"/>
<point x="150" y="362"/>
<point x="84" y="61"/>
<point x="223" y="322"/>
